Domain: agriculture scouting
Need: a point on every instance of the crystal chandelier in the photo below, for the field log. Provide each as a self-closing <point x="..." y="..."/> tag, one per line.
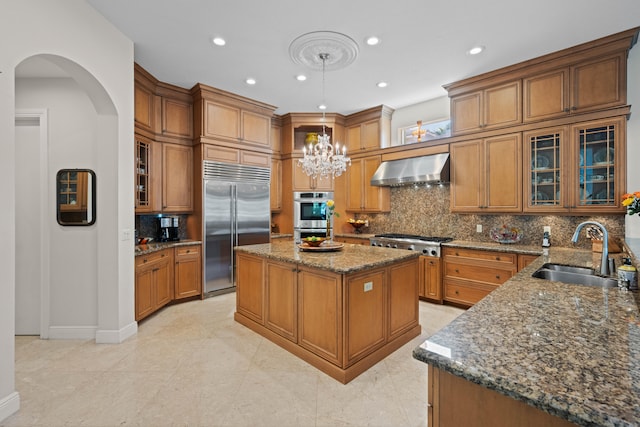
<point x="323" y="159"/>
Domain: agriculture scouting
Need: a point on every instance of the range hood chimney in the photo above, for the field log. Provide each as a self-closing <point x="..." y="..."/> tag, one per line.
<point x="416" y="170"/>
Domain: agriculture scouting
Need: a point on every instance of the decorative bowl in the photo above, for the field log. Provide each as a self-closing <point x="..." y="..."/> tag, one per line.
<point x="505" y="234"/>
<point x="314" y="241"/>
<point x="357" y="224"/>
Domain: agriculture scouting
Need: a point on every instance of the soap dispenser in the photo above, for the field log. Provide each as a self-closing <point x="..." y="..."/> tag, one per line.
<point x="545" y="240"/>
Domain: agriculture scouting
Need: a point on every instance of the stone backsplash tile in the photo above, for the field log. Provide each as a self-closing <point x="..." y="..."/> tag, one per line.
<point x="425" y="211"/>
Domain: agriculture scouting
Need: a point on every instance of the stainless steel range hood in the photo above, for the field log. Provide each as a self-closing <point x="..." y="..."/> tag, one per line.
<point x="415" y="170"/>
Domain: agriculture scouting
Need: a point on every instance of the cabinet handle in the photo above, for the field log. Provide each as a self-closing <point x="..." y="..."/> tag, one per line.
<point x="188" y="251"/>
<point x="574" y="108"/>
<point x="457" y="254"/>
<point x="457" y="271"/>
<point x="457" y="292"/>
<point x="566" y="110"/>
<point x="145" y="260"/>
<point x="498" y="276"/>
<point x="497" y="258"/>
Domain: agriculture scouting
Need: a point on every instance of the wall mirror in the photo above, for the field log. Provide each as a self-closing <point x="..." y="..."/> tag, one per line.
<point x="76" y="197"/>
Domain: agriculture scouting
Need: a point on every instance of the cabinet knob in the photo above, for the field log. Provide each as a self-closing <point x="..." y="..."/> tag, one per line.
<point x="457" y="271"/>
<point x="188" y="251"/>
<point x="566" y="110"/>
<point x="497" y="258"/>
<point x="457" y="254"/>
<point x="457" y="292"/>
<point x="145" y="260"/>
<point x="498" y="276"/>
<point x="574" y="108"/>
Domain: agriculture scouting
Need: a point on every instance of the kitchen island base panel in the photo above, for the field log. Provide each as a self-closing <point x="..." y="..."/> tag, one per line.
<point x="335" y="372"/>
<point x="454" y="401"/>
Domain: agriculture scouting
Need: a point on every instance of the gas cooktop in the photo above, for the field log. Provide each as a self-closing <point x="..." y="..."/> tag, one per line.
<point x="415" y="237"/>
<point x="428" y="245"/>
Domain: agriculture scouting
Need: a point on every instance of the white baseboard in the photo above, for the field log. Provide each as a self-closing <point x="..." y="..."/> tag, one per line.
<point x="116" y="336"/>
<point x="9" y="405"/>
<point x="72" y="332"/>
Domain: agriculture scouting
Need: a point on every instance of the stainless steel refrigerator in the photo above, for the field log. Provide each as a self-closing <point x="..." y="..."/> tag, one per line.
<point x="236" y="212"/>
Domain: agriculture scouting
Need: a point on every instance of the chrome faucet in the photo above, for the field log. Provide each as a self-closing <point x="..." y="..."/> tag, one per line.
<point x="605" y="244"/>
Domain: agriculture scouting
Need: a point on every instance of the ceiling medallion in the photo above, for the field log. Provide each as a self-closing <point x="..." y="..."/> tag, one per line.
<point x="341" y="50"/>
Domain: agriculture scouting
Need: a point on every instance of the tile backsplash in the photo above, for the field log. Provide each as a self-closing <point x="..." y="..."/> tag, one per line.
<point x="147" y="226"/>
<point x="425" y="211"/>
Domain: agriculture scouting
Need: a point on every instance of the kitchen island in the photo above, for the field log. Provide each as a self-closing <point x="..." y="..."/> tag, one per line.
<point x="537" y="352"/>
<point x="341" y="311"/>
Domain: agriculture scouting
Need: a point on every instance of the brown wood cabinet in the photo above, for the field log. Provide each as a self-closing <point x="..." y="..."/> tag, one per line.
<point x="352" y="240"/>
<point x="589" y="85"/>
<point x="250" y="272"/>
<point x="488" y="108"/>
<point x="276" y="185"/>
<point x="366" y="321"/>
<point x="431" y="279"/>
<point x="281" y="299"/>
<point x="176" y="118"/>
<point x="469" y="275"/>
<point x="231" y="120"/>
<point x="177" y="178"/>
<point x="575" y="169"/>
<point x="340" y="323"/>
<point x="486" y="175"/>
<point x="454" y="401"/>
<point x="361" y="195"/>
<point x="188" y="271"/>
<point x="144" y="111"/>
<point x="154" y="282"/>
<point x="524" y="260"/>
<point x="368" y="129"/>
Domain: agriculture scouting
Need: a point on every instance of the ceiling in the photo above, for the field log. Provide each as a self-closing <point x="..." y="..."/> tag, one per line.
<point x="423" y="43"/>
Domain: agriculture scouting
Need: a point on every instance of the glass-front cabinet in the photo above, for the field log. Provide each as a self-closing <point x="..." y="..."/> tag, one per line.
<point x="577" y="169"/>
<point x="142" y="173"/>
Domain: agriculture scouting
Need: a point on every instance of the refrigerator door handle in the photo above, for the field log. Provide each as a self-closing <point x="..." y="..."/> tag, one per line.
<point x="234" y="230"/>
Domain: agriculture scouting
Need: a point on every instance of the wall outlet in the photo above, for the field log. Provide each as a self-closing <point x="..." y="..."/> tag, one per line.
<point x="126" y="234"/>
<point x="368" y="286"/>
<point x="479" y="228"/>
<point x="547" y="229"/>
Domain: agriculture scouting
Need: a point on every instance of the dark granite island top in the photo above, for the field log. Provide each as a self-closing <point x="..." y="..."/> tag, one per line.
<point x="572" y="351"/>
<point x="352" y="258"/>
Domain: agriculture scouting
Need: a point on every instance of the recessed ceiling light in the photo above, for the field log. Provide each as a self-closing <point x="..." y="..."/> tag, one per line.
<point x="301" y="77"/>
<point x="322" y="107"/>
<point x="250" y="81"/>
<point x="382" y="84"/>
<point x="218" y="41"/>
<point x="373" y="40"/>
<point x="475" y="50"/>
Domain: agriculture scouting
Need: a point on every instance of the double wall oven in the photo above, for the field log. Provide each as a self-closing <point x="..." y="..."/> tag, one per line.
<point x="310" y="214"/>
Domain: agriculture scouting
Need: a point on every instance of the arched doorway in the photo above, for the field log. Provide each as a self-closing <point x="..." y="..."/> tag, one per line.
<point x="57" y="280"/>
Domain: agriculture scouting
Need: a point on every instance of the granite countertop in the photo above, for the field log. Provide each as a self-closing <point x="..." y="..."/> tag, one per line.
<point x="152" y="247"/>
<point x="350" y="259"/>
<point x="497" y="247"/>
<point x="572" y="351"/>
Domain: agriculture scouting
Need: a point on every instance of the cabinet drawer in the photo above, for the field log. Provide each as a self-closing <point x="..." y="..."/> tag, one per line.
<point x="477" y="273"/>
<point x="467" y="294"/>
<point x="187" y="251"/>
<point x="142" y="260"/>
<point x="472" y="254"/>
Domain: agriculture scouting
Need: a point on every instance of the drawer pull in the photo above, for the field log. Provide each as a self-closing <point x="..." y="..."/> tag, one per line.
<point x="188" y="251"/>
<point x="457" y="254"/>
<point x="497" y="258"/>
<point x="145" y="260"/>
<point x="457" y="292"/>
<point x="457" y="271"/>
<point x="497" y="276"/>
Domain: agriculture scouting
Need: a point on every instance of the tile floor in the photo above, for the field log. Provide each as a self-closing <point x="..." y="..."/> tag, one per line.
<point x="192" y="365"/>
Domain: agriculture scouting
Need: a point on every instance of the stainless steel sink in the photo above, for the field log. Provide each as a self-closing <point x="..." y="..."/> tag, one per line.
<point x="568" y="268"/>
<point x="574" y="275"/>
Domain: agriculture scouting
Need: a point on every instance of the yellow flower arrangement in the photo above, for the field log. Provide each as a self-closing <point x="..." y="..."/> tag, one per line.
<point x="330" y="209"/>
<point x="632" y="202"/>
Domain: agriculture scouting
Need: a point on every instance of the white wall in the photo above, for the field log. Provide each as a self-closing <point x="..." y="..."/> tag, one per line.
<point x="73" y="250"/>
<point x="428" y="111"/>
<point x="100" y="59"/>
